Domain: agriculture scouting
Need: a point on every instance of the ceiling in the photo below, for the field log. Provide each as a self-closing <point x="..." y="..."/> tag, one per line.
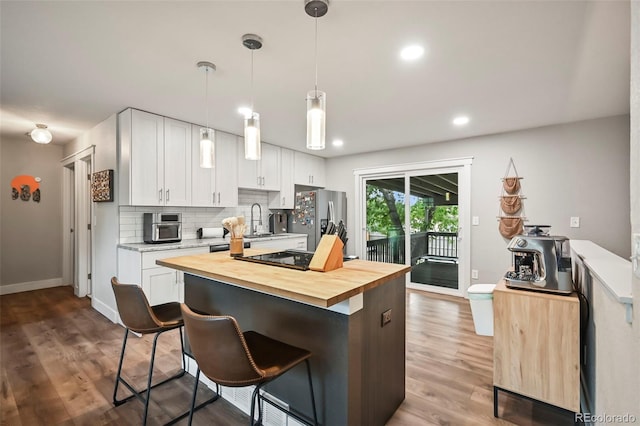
<point x="507" y="65"/>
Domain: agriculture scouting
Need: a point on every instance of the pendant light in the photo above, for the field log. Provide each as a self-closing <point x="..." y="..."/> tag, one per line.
<point x="252" y="145"/>
<point x="40" y="134"/>
<point x="207" y="135"/>
<point x="316" y="100"/>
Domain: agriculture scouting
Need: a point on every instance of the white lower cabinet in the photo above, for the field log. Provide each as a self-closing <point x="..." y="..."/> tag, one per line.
<point x="295" y="243"/>
<point x="160" y="284"/>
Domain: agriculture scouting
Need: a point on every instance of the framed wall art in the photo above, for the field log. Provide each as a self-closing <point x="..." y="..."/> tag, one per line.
<point x="102" y="186"/>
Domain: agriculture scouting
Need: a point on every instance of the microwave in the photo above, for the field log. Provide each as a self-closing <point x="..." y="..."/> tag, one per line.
<point x="162" y="227"/>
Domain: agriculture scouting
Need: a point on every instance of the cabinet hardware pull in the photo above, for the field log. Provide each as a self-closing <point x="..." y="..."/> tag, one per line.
<point x="160" y="194"/>
<point x="283" y="203"/>
<point x="258" y="178"/>
<point x="213" y="198"/>
<point x="167" y="196"/>
<point x="218" y="198"/>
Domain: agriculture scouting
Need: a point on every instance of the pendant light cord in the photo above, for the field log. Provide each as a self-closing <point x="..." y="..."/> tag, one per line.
<point x="252" y="83"/>
<point x="316" y="51"/>
<point x="206" y="96"/>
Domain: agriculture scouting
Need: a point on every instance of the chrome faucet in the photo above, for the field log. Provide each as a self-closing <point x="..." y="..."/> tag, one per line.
<point x="253" y="229"/>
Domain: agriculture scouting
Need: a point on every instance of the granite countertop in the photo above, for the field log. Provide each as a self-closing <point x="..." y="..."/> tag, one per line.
<point x="205" y="242"/>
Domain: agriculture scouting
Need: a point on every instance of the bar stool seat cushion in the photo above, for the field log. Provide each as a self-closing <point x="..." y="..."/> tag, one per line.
<point x="168" y="314"/>
<point x="271" y="356"/>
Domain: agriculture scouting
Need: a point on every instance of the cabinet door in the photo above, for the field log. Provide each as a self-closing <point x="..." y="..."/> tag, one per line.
<point x="318" y="175"/>
<point x="203" y="188"/>
<point x="301" y="169"/>
<point x="226" y="187"/>
<point x="177" y="163"/>
<point x="270" y="168"/>
<point x="282" y="244"/>
<point x="248" y="176"/>
<point x="283" y="199"/>
<point x="160" y="285"/>
<point x="147" y="159"/>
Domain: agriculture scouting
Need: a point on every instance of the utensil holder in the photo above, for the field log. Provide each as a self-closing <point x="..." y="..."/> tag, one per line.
<point x="236" y="247"/>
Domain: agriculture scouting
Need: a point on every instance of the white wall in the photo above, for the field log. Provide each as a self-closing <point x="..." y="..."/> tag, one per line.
<point x="577" y="169"/>
<point x="105" y="221"/>
<point x="31" y="243"/>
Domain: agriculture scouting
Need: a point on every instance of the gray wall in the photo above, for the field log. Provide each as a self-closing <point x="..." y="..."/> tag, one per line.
<point x="31" y="243"/>
<point x="577" y="169"/>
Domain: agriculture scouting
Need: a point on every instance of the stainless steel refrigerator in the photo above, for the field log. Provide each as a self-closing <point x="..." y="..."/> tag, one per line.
<point x="313" y="210"/>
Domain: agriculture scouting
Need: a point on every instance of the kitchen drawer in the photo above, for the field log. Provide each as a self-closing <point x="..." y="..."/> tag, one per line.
<point x="149" y="258"/>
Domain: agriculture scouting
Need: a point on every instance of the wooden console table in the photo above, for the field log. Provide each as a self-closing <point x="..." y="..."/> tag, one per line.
<point x="536" y="346"/>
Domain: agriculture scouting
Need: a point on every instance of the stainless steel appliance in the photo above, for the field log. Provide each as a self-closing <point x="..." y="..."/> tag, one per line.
<point x="541" y="263"/>
<point x="278" y="223"/>
<point x="162" y="227"/>
<point x="315" y="212"/>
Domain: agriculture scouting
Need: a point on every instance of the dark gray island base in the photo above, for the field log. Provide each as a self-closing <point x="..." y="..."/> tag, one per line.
<point x="358" y="365"/>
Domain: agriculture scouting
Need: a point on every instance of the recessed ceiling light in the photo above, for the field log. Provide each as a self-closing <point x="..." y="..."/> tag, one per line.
<point x="245" y="112"/>
<point x="337" y="142"/>
<point x="412" y="52"/>
<point x="461" y="120"/>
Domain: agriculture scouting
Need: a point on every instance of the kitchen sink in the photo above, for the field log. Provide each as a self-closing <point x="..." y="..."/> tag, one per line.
<point x="250" y="237"/>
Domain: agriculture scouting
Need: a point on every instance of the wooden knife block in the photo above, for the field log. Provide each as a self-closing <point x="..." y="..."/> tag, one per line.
<point x="328" y="255"/>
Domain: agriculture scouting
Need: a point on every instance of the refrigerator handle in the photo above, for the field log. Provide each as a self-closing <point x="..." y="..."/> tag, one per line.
<point x="332" y="213"/>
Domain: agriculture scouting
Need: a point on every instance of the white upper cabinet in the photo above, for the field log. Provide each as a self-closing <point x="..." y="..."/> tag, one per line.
<point x="284" y="198"/>
<point x="309" y="170"/>
<point x="218" y="186"/>
<point x="177" y="163"/>
<point x="155" y="160"/>
<point x="262" y="174"/>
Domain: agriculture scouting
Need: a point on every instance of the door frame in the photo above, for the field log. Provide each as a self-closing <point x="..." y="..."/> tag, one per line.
<point x="78" y="251"/>
<point x="462" y="166"/>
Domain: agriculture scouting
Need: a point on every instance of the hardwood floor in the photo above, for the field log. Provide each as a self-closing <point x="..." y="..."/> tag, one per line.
<point x="59" y="358"/>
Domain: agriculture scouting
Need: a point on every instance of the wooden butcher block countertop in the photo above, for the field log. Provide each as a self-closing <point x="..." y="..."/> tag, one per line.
<point x="322" y="289"/>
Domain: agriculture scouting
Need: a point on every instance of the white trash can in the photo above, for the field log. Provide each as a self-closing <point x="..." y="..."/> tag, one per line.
<point x="481" y="300"/>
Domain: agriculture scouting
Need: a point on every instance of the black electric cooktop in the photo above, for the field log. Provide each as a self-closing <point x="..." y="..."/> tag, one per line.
<point x="294" y="259"/>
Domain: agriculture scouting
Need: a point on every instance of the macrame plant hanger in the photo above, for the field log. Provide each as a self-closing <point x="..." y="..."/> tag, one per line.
<point x="511" y="210"/>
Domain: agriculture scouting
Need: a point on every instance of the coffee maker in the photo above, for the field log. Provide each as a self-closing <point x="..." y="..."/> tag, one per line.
<point x="541" y="263"/>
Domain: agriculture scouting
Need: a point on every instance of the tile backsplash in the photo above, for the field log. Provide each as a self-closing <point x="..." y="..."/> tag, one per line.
<point x="193" y="217"/>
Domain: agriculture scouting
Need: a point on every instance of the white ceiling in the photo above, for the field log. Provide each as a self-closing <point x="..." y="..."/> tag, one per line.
<point x="508" y="65"/>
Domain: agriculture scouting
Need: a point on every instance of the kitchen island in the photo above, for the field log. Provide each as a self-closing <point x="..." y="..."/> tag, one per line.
<point x="358" y="362"/>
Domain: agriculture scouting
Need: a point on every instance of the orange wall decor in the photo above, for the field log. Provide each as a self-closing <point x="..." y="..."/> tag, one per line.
<point x="25" y="186"/>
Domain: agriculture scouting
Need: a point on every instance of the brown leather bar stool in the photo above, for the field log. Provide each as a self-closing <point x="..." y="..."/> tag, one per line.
<point x="138" y="316"/>
<point x="230" y="357"/>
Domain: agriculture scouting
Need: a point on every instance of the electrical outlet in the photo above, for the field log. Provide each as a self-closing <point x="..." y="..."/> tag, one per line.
<point x="475" y="220"/>
<point x="386" y="317"/>
<point x="474" y="274"/>
<point x="574" y="222"/>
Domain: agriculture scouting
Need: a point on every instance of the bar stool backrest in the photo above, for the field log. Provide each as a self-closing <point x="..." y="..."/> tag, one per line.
<point x="220" y="349"/>
<point x="133" y="306"/>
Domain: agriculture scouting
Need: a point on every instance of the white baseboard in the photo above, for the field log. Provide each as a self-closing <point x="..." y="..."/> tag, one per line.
<point x="105" y="310"/>
<point x="30" y="285"/>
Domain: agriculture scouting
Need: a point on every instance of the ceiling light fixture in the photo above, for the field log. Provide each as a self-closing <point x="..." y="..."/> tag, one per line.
<point x="207" y="135"/>
<point x="252" y="146"/>
<point x="40" y="134"/>
<point x="411" y="53"/>
<point x="461" y="120"/>
<point x="316" y="100"/>
<point x="337" y="142"/>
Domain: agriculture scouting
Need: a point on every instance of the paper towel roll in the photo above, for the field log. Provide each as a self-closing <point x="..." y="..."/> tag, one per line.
<point x="211" y="233"/>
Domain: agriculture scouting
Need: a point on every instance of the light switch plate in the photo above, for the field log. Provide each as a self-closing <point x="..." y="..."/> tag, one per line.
<point x="475" y="220"/>
<point x="474" y="274"/>
<point x="574" y="222"/>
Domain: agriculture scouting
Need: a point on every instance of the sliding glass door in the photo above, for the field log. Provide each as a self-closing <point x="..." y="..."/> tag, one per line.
<point x="415" y="217"/>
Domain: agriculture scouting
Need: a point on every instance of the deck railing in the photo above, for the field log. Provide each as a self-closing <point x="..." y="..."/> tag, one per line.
<point x="434" y="244"/>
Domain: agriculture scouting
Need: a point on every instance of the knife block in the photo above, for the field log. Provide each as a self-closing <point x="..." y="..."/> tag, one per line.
<point x="328" y="255"/>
